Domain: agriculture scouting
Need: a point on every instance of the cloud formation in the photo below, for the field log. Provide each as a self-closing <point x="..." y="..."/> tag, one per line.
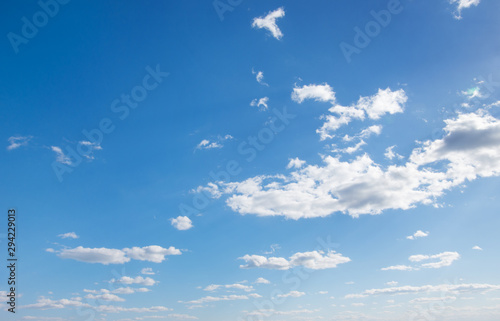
<point x="269" y="22"/>
<point x="315" y="260"/>
<point x="152" y="253"/>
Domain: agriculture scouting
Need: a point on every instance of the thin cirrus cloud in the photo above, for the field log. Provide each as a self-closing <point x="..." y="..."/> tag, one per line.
<point x="236" y="286"/>
<point x="152" y="253"/>
<point x="17" y="141"/>
<point x="182" y="223"/>
<point x="315" y="260"/>
<point x="269" y="22"/>
<point x="216" y="143"/>
<point x="463" y="4"/>
<point x="441" y="260"/>
<point x="60" y="156"/>
<point x="467" y="151"/>
<point x="443" y="288"/>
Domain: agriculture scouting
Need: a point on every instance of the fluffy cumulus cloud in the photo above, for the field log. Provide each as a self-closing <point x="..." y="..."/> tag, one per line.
<point x="417" y="234"/>
<point x="105" y="297"/>
<point x="385" y="101"/>
<point x="315" y="260"/>
<point x="182" y="223"/>
<point x="468" y="150"/>
<point x="95" y="255"/>
<point x="291" y="294"/>
<point x="269" y="22"/>
<point x="295" y="163"/>
<point x="70" y="235"/>
<point x="463" y="4"/>
<point x="152" y="253"/>
<point x="323" y="93"/>
<point x="437" y="261"/>
<point x="477" y="248"/>
<point x="262" y="281"/>
<point x="17" y="141"/>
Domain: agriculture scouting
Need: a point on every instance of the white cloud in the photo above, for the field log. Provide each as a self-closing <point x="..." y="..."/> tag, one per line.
<point x="316" y="260"/>
<point x="70" y="235"/>
<point x="209" y="299"/>
<point x="153" y="253"/>
<point x="295" y="163"/>
<point x="182" y="223"/>
<point x="260" y="103"/>
<point x="443" y="288"/>
<point x="385" y="101"/>
<point x="18" y="141"/>
<point x="182" y="316"/>
<point x="147" y="271"/>
<point x="443" y="259"/>
<point x="262" y="281"/>
<point x="60" y="156"/>
<point x="137" y="280"/>
<point x="323" y="93"/>
<point x="398" y="268"/>
<point x="463" y="4"/>
<point x="390" y="154"/>
<point x="269" y="22"/>
<point x="95" y="255"/>
<point x="105" y="297"/>
<point x="90" y="148"/>
<point x="214" y="144"/>
<point x="417" y="234"/>
<point x="477" y="248"/>
<point x="468" y="150"/>
<point x="237" y="286"/>
<point x="122" y="290"/>
<point x="365" y="133"/>
<point x="291" y="294"/>
<point x="259" y="77"/>
<point x="392" y="283"/>
<point x="45" y="304"/>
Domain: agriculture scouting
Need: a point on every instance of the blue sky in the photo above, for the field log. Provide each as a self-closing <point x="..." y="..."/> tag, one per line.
<point x="263" y="160"/>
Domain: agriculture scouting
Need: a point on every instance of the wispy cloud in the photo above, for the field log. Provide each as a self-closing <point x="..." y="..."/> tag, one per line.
<point x="18" y="141"/>
<point x="269" y="22"/>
